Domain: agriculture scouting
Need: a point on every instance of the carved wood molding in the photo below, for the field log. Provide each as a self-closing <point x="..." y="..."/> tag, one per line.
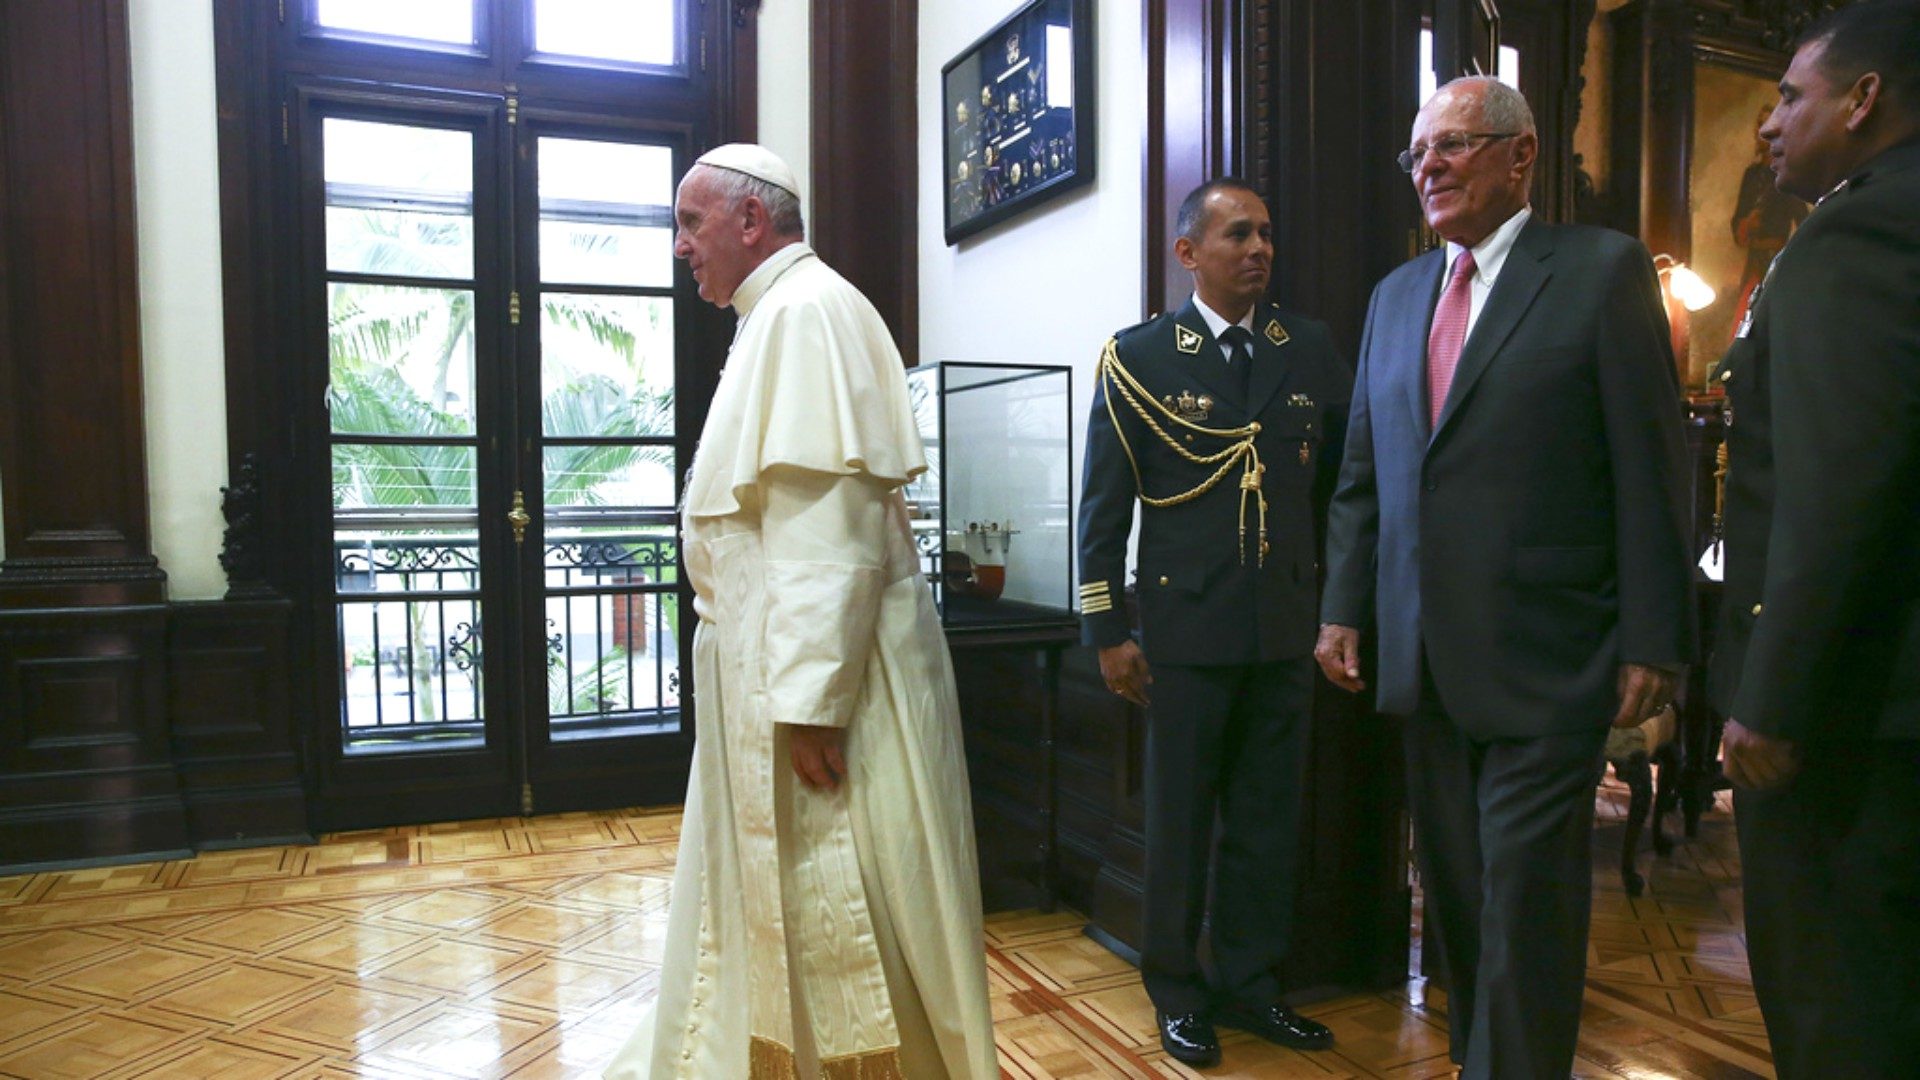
<point x="1771" y="24"/>
<point x="243" y="547"/>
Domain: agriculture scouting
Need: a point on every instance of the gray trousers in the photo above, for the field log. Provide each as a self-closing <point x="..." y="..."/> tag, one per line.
<point x="1503" y="833"/>
<point x="1831" y="884"/>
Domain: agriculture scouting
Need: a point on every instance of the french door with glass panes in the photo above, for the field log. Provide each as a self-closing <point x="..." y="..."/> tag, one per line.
<point x="492" y="296"/>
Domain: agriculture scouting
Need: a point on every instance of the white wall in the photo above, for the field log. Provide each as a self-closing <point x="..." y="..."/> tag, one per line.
<point x="177" y="206"/>
<point x="1051" y="285"/>
<point x="785" y="101"/>
<point x="176" y="188"/>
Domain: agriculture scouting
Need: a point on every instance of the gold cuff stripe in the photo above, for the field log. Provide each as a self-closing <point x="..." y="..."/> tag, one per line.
<point x="872" y="1065"/>
<point x="768" y="1060"/>
<point x="1087" y="608"/>
<point x="1094" y="588"/>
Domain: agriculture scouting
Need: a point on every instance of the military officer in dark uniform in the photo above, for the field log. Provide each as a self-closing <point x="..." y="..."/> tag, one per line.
<point x="1817" y="663"/>
<point x="1221" y="421"/>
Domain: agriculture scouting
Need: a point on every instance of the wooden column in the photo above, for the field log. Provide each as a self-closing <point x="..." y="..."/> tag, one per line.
<point x="72" y="444"/>
<point x="865" y="155"/>
<point x="85" y="763"/>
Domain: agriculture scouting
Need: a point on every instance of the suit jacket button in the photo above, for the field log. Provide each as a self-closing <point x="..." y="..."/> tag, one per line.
<point x="1431" y="486"/>
<point x="1756" y="609"/>
<point x="1164" y="581"/>
<point x="1726" y="375"/>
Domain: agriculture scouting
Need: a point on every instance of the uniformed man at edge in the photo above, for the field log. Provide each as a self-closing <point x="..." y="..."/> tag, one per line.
<point x="1817" y="661"/>
<point x="1221" y="421"/>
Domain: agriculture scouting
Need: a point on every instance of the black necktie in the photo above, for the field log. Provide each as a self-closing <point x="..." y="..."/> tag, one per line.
<point x="1239" y="341"/>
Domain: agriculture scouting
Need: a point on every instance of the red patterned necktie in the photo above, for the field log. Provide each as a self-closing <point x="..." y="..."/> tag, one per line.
<point x="1449" y="333"/>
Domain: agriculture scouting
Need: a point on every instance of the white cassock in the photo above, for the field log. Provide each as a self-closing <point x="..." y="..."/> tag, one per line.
<point x="829" y="934"/>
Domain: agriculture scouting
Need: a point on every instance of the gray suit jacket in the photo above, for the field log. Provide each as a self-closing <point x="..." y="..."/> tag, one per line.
<point x="1536" y="538"/>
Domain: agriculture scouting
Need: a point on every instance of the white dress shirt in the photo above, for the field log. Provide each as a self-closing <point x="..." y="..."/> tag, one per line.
<point x="1218" y="323"/>
<point x="1489" y="256"/>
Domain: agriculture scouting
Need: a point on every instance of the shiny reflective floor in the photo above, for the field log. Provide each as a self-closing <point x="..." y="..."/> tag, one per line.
<point x="524" y="948"/>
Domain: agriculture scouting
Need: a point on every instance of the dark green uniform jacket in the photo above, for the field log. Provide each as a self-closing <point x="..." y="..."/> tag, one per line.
<point x="1820" y="627"/>
<point x="1205" y="595"/>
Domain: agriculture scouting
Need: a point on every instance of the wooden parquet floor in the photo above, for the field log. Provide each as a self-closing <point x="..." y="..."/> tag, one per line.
<point x="525" y="947"/>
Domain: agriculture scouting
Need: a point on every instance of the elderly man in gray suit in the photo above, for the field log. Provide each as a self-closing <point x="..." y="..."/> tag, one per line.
<point x="1510" y="526"/>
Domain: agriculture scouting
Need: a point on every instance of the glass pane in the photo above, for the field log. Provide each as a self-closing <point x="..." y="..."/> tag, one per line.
<point x="1429" y="82"/>
<point x="629" y="31"/>
<point x="399" y="199"/>
<point x="608" y="478"/>
<point x="606" y="366"/>
<point x="400" y="360"/>
<point x="408" y="629"/>
<point x="615" y="652"/>
<point x="449" y="21"/>
<point x="384" y="480"/>
<point x="410" y="671"/>
<point x="606" y="213"/>
<point x="634" y="553"/>
<point x="626" y="175"/>
<point x="580" y="253"/>
<point x="612" y="655"/>
<point x="1510" y="66"/>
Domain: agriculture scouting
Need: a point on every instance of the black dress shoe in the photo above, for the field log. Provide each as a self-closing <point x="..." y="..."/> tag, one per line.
<point x="1277" y="1023"/>
<point x="1188" y="1038"/>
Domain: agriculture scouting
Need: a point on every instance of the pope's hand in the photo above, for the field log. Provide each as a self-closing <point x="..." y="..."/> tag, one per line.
<point x="817" y="756"/>
<point x="1338" y="651"/>
<point x="1124" y="667"/>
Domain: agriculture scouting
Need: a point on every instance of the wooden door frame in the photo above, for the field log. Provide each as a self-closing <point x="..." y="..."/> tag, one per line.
<point x="256" y="53"/>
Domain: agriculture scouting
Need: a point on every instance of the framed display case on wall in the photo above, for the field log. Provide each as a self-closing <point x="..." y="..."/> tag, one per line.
<point x="1019" y="115"/>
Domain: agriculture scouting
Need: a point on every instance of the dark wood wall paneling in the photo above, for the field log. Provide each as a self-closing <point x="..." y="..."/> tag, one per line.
<point x="1551" y="36"/>
<point x="233" y="741"/>
<point x="864" y="160"/>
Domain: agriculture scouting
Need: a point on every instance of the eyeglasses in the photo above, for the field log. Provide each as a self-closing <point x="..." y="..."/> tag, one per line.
<point x="1452" y="145"/>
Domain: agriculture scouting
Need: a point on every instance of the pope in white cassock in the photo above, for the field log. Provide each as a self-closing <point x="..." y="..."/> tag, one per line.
<point x="826" y="904"/>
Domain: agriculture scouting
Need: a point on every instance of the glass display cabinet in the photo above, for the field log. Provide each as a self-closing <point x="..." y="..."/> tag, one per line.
<point x="993" y="513"/>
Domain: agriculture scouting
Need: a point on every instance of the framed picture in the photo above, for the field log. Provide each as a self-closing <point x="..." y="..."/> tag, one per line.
<point x="1737" y="219"/>
<point x="1018" y="107"/>
<point x="1706" y="198"/>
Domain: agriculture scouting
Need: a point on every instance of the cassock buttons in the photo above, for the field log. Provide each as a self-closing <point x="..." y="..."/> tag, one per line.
<point x="1756" y="609"/>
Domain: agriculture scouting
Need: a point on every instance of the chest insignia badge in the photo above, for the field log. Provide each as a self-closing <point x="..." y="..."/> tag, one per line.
<point x="1301" y="401"/>
<point x="1275" y="332"/>
<point x="1187" y="341"/>
<point x="1188" y="406"/>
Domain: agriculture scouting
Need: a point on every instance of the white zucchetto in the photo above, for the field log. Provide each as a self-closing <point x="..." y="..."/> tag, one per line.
<point x="754" y="160"/>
